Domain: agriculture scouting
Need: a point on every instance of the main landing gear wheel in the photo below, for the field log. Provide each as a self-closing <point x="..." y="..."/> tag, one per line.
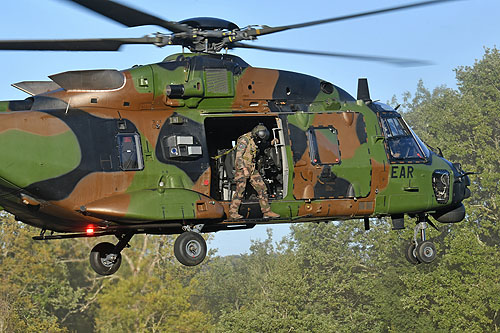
<point x="411" y="254"/>
<point x="190" y="248"/>
<point x="104" y="259"/>
<point x="426" y="252"/>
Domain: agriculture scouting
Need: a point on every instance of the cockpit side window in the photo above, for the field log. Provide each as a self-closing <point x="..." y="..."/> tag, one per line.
<point x="395" y="127"/>
<point x="400" y="141"/>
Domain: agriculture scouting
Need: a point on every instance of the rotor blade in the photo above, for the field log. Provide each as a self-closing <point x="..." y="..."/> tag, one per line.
<point x="105" y="44"/>
<point x="388" y="60"/>
<point x="269" y="30"/>
<point x="129" y="16"/>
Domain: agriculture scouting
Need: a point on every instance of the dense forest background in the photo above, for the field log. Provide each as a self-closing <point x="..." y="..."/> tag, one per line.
<point x="327" y="277"/>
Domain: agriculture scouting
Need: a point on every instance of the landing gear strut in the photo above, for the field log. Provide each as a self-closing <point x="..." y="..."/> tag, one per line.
<point x="189" y="248"/>
<point x="423" y="250"/>
<point x="106" y="258"/>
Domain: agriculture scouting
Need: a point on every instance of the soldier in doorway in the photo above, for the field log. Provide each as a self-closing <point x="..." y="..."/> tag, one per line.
<point x="246" y="149"/>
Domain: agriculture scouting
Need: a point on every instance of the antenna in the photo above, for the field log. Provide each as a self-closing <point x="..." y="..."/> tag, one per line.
<point x="363" y="91"/>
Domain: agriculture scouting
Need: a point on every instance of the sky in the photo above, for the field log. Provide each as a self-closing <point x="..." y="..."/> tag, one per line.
<point x="449" y="35"/>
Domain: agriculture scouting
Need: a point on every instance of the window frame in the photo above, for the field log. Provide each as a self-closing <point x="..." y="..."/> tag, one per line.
<point x="385" y="122"/>
<point x="314" y="151"/>
<point x="138" y="151"/>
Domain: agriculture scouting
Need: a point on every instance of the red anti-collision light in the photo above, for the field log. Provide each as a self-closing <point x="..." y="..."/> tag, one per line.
<point x="90" y="230"/>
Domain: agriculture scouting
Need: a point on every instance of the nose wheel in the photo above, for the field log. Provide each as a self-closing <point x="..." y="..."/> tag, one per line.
<point x="422" y="250"/>
<point x="411" y="254"/>
<point x="426" y="252"/>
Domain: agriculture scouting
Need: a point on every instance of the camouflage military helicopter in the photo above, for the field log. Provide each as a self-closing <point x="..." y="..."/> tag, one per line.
<point x="150" y="149"/>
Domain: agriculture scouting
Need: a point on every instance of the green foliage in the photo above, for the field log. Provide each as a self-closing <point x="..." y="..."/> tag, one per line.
<point x="28" y="283"/>
<point x="149" y="294"/>
<point x="461" y="293"/>
<point x="466" y="124"/>
<point x="148" y="303"/>
<point x="50" y="287"/>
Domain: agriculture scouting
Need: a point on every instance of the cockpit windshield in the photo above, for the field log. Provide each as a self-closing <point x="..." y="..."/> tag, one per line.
<point x="402" y="143"/>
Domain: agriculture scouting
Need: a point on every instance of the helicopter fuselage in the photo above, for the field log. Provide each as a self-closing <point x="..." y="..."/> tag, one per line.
<point x="149" y="149"/>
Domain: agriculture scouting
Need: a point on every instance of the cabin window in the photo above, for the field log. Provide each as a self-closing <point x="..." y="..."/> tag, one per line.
<point x="323" y="145"/>
<point x="129" y="148"/>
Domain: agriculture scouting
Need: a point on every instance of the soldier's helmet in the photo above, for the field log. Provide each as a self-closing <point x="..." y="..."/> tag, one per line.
<point x="260" y="132"/>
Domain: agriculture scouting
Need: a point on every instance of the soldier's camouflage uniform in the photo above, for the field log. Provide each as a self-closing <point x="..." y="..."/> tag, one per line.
<point x="246" y="149"/>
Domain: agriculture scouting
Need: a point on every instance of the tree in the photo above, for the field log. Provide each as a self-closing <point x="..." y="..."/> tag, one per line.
<point x="464" y="283"/>
<point x="49" y="286"/>
<point x="150" y="293"/>
<point x="33" y="285"/>
<point x="325" y="277"/>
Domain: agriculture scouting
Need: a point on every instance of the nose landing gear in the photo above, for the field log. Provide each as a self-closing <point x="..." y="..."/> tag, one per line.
<point x="423" y="250"/>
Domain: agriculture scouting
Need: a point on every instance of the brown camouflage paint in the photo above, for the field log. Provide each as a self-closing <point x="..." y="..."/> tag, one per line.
<point x="255" y="86"/>
<point x="33" y="122"/>
<point x="102" y="184"/>
<point x="306" y="174"/>
<point x="345" y="124"/>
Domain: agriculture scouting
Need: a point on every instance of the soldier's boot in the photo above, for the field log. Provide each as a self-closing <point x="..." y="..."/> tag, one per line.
<point x="233" y="210"/>
<point x="235" y="216"/>
<point x="270" y="215"/>
<point x="264" y="203"/>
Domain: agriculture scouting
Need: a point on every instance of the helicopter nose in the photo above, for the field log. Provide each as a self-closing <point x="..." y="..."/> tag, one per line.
<point x="459" y="192"/>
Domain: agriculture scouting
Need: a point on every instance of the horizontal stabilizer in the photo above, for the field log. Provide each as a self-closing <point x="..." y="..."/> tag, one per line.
<point x="36" y="87"/>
